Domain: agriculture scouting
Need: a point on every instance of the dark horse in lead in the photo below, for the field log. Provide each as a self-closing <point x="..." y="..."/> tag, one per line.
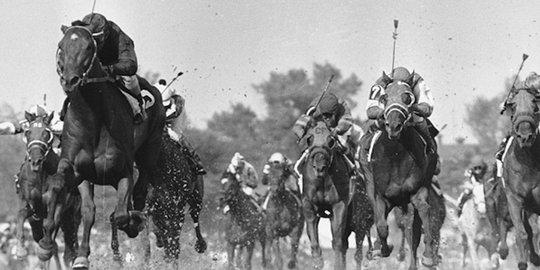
<point x="521" y="174"/>
<point x="399" y="172"/>
<point x="100" y="143"/>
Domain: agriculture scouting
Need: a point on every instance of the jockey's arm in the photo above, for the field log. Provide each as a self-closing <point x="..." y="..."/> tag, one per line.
<point x="299" y="127"/>
<point x="375" y="109"/>
<point x="345" y="121"/>
<point x="127" y="60"/>
<point x="252" y="177"/>
<point x="424" y="104"/>
<point x="10" y="128"/>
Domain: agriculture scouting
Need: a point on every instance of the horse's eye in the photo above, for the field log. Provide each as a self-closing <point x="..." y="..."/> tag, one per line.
<point x="383" y="99"/>
<point x="407" y="98"/>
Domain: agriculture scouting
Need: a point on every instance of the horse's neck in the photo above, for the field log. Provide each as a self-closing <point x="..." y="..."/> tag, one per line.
<point x="532" y="153"/>
<point x="96" y="71"/>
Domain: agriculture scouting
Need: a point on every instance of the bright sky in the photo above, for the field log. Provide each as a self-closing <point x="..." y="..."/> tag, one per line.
<point x="464" y="49"/>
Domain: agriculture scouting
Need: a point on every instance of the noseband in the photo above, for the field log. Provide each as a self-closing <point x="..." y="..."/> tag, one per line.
<point x="397" y="107"/>
<point x="45" y="146"/>
<point x="84" y="80"/>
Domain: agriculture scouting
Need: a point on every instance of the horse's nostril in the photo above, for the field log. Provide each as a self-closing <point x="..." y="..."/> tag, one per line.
<point x="74" y="80"/>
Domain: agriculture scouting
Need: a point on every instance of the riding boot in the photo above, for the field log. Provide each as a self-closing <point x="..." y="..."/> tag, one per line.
<point x="423" y="130"/>
<point x="141" y="115"/>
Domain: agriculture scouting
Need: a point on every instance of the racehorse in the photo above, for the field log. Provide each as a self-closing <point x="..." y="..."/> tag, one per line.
<point x="43" y="200"/>
<point x="99" y="141"/>
<point x="404" y="219"/>
<point x="476" y="230"/>
<point x="284" y="216"/>
<point x="397" y="169"/>
<point x="326" y="186"/>
<point x="245" y="224"/>
<point x="521" y="170"/>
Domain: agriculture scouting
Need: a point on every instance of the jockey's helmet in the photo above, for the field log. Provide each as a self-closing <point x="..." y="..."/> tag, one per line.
<point x="277" y="158"/>
<point x="532" y="81"/>
<point x="98" y="25"/>
<point x="237" y="159"/>
<point x="329" y="104"/>
<point x="400" y="74"/>
<point x="37" y="110"/>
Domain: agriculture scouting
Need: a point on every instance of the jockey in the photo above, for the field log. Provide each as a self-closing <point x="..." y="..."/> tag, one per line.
<point x="116" y="52"/>
<point x="421" y="108"/>
<point x="174" y="106"/>
<point x="335" y="113"/>
<point x="291" y="184"/>
<point x="245" y="173"/>
<point x="475" y="174"/>
<point x="532" y="82"/>
<point x="277" y="158"/>
<point x="12" y="128"/>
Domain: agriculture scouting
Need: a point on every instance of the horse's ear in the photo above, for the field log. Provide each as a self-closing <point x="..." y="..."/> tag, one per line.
<point x="385" y="78"/>
<point x="410" y="80"/>
<point x="29" y="116"/>
<point x="49" y="118"/>
<point x="64" y="28"/>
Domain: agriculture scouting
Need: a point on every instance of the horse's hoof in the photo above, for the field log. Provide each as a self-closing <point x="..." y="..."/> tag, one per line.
<point x="200" y="246"/>
<point x="376" y="254"/>
<point x="136" y="224"/>
<point x="81" y="263"/>
<point x="534" y="259"/>
<point x="291" y="265"/>
<point x="385" y="252"/>
<point x="427" y="261"/>
<point x="503" y="252"/>
<point x="159" y="242"/>
<point x="494" y="261"/>
<point x="369" y="255"/>
<point x="522" y="266"/>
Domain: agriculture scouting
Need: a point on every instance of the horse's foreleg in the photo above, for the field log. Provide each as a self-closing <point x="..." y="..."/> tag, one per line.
<point x="413" y="230"/>
<point x="402" y="221"/>
<point x="295" y="242"/>
<point x="249" y="255"/>
<point x="124" y="193"/>
<point x="533" y="256"/>
<point x="380" y="212"/>
<point x="502" y="247"/>
<point x="515" y="206"/>
<point x="88" y="209"/>
<point x="278" y="262"/>
<point x="419" y="201"/>
<point x="338" y="223"/>
<point x="312" y="223"/>
<point x="115" y="245"/>
<point x="359" y="237"/>
<point x="230" y="255"/>
<point x="51" y="222"/>
<point x="25" y="212"/>
<point x="195" y="207"/>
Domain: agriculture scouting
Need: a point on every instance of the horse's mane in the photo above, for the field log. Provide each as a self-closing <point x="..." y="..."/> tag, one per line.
<point x="79" y="23"/>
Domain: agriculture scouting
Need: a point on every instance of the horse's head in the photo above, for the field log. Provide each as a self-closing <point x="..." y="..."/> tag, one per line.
<point x="230" y="186"/>
<point x="75" y="57"/>
<point x="277" y="175"/>
<point x="524" y="115"/>
<point x="321" y="144"/>
<point x="397" y="100"/>
<point x="39" y="138"/>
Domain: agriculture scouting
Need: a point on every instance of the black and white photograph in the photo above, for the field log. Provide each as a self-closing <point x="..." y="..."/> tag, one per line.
<point x="269" y="134"/>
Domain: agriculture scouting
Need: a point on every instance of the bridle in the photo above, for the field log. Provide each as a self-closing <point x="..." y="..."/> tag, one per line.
<point x="400" y="108"/>
<point x="84" y="79"/>
<point x="44" y="146"/>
